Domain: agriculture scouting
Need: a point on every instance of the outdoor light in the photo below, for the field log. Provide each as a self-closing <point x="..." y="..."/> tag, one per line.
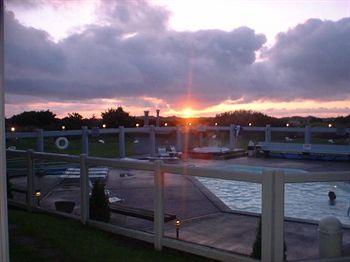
<point x="177" y="224"/>
<point x="190" y="124"/>
<point x="250" y="124"/>
<point x="216" y="124"/>
<point x="165" y="124"/>
<point x="63" y="127"/>
<point x="104" y="126"/>
<point x="38" y="195"/>
<point x="13" y="129"/>
<point x="287" y="125"/>
<point x="329" y="125"/>
<point x="137" y="125"/>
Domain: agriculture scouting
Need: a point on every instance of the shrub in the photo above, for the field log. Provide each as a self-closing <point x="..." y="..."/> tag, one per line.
<point x="256" y="253"/>
<point x="99" y="209"/>
<point x="9" y="189"/>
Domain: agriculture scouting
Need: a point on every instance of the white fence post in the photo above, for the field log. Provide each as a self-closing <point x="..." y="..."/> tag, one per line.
<point x="30" y="180"/>
<point x="272" y="229"/>
<point x="84" y="189"/>
<point x="158" y="205"/>
<point x="178" y="139"/>
<point x="121" y="142"/>
<point x="232" y="137"/>
<point x="307" y="135"/>
<point x="268" y="134"/>
<point x="152" y="140"/>
<point x="85" y="140"/>
<point x="40" y="140"/>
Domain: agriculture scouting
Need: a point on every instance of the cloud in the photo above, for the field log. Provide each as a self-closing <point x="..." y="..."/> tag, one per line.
<point x="29" y="51"/>
<point x="101" y="62"/>
<point x="133" y="16"/>
<point x="313" y="59"/>
<point x="134" y="54"/>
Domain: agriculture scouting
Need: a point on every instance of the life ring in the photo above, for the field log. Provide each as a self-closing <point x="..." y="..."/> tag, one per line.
<point x="61" y="140"/>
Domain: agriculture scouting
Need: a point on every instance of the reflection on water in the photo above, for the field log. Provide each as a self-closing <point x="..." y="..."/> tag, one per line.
<point x="307" y="200"/>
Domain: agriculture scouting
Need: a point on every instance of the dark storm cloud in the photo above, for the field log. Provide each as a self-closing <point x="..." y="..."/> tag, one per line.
<point x="28" y="49"/>
<point x="313" y="59"/>
<point x="134" y="54"/>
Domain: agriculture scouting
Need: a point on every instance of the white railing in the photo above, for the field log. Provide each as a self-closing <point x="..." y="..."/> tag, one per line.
<point x="272" y="182"/>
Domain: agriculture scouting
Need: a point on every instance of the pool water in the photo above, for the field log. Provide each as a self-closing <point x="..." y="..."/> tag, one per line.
<point x="305" y="200"/>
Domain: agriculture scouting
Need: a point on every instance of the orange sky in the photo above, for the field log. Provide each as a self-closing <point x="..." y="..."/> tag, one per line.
<point x="60" y="21"/>
<point x="278" y="109"/>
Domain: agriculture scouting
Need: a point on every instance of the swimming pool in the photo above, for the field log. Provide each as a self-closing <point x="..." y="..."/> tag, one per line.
<point x="305" y="200"/>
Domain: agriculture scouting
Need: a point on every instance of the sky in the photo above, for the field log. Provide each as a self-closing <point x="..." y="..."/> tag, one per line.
<point x="186" y="58"/>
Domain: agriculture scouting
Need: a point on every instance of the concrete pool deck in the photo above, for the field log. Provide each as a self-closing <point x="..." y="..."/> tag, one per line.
<point x="306" y="165"/>
<point x="205" y="219"/>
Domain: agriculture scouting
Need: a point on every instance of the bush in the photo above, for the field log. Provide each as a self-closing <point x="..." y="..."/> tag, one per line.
<point x="256" y="253"/>
<point x="99" y="209"/>
<point x="9" y="189"/>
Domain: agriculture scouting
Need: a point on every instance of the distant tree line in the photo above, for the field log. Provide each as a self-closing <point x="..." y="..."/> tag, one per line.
<point x="115" y="117"/>
<point x="246" y="117"/>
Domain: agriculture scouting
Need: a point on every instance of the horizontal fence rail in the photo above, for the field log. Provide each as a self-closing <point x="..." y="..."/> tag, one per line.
<point x="10" y="135"/>
<point x="181" y="131"/>
<point x="271" y="179"/>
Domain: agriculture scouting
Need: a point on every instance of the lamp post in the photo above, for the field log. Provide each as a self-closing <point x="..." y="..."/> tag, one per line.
<point x="38" y="195"/>
<point x="177" y="224"/>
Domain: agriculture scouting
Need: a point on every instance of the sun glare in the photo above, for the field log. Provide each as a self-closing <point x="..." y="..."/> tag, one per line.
<point x="188" y="112"/>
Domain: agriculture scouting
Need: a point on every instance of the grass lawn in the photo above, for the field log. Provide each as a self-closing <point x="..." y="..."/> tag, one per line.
<point x="40" y="237"/>
<point x="108" y="149"/>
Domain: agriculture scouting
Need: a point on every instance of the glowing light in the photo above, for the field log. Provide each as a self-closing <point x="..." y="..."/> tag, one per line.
<point x="104" y="126"/>
<point x="63" y="127"/>
<point x="190" y="124"/>
<point x="37" y="193"/>
<point x="177" y="223"/>
<point x="287" y="125"/>
<point x="216" y="124"/>
<point x="165" y="124"/>
<point x="250" y="124"/>
<point x="13" y="129"/>
<point x="329" y="125"/>
<point x="137" y="125"/>
<point x="188" y="112"/>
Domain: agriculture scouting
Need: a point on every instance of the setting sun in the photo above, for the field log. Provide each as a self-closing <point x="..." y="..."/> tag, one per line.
<point x="188" y="112"/>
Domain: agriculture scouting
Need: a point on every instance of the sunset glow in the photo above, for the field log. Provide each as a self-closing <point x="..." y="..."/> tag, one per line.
<point x="188" y="112"/>
<point x="83" y="56"/>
